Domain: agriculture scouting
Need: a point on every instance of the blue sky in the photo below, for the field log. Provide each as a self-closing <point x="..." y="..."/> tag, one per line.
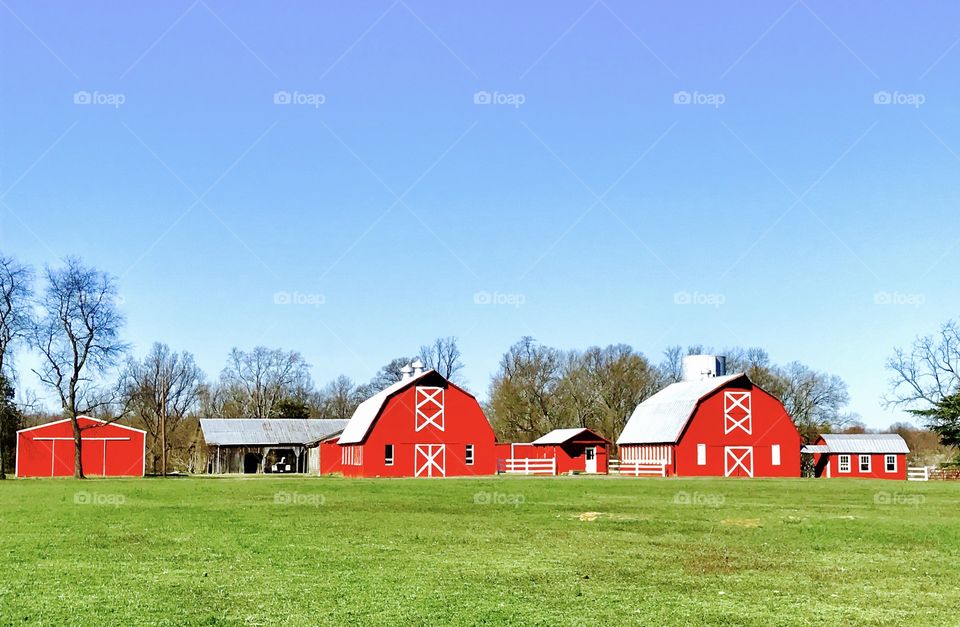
<point x="781" y="174"/>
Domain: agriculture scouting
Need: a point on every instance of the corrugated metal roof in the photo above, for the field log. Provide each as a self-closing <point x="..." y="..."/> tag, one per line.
<point x="661" y="418"/>
<point x="271" y="431"/>
<point x="356" y="430"/>
<point x="865" y="443"/>
<point x="815" y="448"/>
<point x="559" y="436"/>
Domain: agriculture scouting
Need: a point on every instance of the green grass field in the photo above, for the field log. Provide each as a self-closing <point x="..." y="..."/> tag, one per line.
<point x="573" y="550"/>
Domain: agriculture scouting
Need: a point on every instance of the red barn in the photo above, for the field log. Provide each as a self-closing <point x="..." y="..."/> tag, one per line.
<point x="421" y="426"/>
<point x="108" y="450"/>
<point x="862" y="455"/>
<point x="559" y="452"/>
<point x="710" y="426"/>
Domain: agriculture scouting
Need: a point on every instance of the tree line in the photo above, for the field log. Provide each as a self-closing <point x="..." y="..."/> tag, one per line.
<point x="74" y="324"/>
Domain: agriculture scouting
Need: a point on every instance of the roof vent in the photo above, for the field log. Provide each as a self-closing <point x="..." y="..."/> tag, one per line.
<point x="405" y="373"/>
<point x="417" y="368"/>
<point x="702" y="367"/>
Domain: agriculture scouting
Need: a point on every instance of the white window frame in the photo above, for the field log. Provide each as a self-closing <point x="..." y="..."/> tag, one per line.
<point x="701" y="454"/>
<point x="389" y="453"/>
<point x="887" y="463"/>
<point x="860" y="459"/>
<point x="468" y="455"/>
<point x="775" y="455"/>
<point x="843" y="460"/>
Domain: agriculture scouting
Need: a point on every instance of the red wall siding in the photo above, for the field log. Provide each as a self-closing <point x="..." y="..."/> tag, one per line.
<point x="464" y="423"/>
<point x="55" y="458"/>
<point x="570" y="457"/>
<point x="878" y="468"/>
<point x="769" y="425"/>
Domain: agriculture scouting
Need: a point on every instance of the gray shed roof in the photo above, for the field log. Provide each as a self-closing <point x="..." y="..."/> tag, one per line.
<point x="266" y="432"/>
<point x="865" y="443"/>
<point x="662" y="417"/>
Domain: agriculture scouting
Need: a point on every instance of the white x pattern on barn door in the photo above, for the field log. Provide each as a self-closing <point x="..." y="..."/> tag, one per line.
<point x="429" y="410"/>
<point x="737" y="412"/>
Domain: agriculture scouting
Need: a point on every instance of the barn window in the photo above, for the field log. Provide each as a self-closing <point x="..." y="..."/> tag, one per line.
<point x="864" y="463"/>
<point x="891" y="463"/>
<point x="469" y="456"/>
<point x="701" y="454"/>
<point x="388" y="455"/>
<point x="843" y="463"/>
<point x="775" y="454"/>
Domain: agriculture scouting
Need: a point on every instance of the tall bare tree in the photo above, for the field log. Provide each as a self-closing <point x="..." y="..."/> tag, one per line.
<point x="928" y="371"/>
<point x="16" y="285"/>
<point x="161" y="389"/>
<point x="254" y="382"/>
<point x="443" y="355"/>
<point x="78" y="335"/>
<point x="338" y="399"/>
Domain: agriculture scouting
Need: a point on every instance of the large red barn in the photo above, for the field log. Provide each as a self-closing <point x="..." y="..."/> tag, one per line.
<point x="861" y="455"/>
<point x="108" y="449"/>
<point x="421" y="426"/>
<point x="710" y="426"/>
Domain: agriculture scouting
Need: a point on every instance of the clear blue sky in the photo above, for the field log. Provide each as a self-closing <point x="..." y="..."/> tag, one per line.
<point x="583" y="198"/>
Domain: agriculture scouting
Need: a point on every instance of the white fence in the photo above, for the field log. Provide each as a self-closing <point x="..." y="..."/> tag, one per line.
<point x="524" y="466"/>
<point x="918" y="473"/>
<point x="638" y="469"/>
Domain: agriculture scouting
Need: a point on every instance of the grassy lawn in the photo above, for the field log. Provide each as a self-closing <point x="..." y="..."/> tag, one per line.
<point x="291" y="551"/>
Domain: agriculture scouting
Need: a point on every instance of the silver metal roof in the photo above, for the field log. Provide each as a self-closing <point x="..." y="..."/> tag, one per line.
<point x="661" y="418"/>
<point x="865" y="443"/>
<point x="815" y="448"/>
<point x="559" y="436"/>
<point x="266" y="432"/>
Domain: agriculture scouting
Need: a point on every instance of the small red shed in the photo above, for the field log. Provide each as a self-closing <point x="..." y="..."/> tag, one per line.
<point x="559" y="452"/>
<point x="860" y="455"/>
<point x="108" y="449"/>
<point x="421" y="426"/>
<point x="710" y="425"/>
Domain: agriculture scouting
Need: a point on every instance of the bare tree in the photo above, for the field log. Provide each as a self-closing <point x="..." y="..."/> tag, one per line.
<point x="161" y="390"/>
<point x="524" y="393"/>
<point x="339" y="398"/>
<point x="78" y="335"/>
<point x="389" y="374"/>
<point x="443" y="355"/>
<point x="16" y="282"/>
<point x="253" y="382"/>
<point x="928" y="371"/>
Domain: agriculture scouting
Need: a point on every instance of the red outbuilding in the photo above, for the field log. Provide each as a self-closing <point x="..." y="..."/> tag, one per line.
<point x="861" y="455"/>
<point x="559" y="452"/>
<point x="421" y="426"/>
<point x="108" y="449"/>
<point x="710" y="425"/>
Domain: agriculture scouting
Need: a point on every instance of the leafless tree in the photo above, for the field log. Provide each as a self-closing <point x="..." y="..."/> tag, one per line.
<point x="78" y="336"/>
<point x="161" y="390"/>
<point x="253" y="382"/>
<point x="16" y="285"/>
<point x="928" y="371"/>
<point x="338" y="399"/>
<point x="389" y="374"/>
<point x="443" y="355"/>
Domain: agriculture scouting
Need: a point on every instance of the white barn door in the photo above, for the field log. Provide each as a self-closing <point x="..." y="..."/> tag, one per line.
<point x="430" y="460"/>
<point x="738" y="461"/>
